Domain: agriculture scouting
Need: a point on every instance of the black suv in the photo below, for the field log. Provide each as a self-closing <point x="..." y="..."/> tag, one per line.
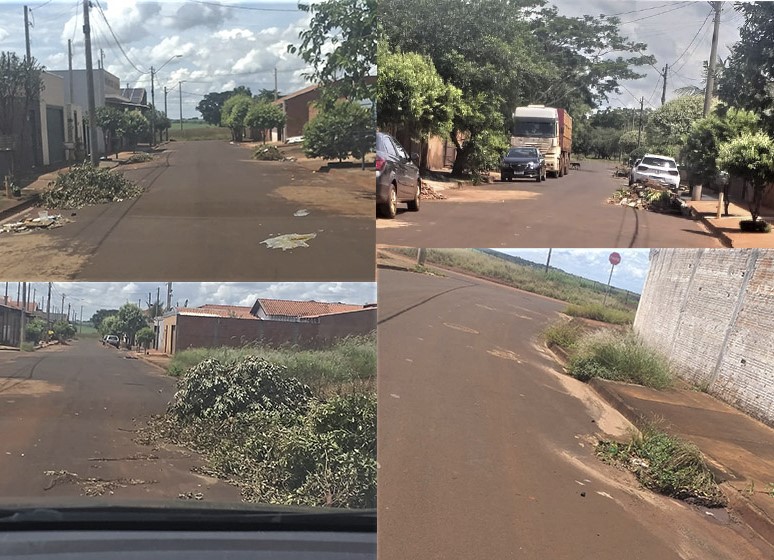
<point x="397" y="176"/>
<point x="523" y="163"/>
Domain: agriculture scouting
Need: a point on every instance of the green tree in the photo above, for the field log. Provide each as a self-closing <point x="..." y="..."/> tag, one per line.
<point x="263" y="116"/>
<point x="145" y="337"/>
<point x="109" y="325"/>
<point x="112" y="121"/>
<point x="63" y="331"/>
<point x="100" y="315"/>
<point x="340" y="46"/>
<point x="412" y="96"/>
<point x="34" y="331"/>
<point x="746" y="81"/>
<point x="344" y="129"/>
<point x="20" y="85"/>
<point x="629" y="141"/>
<point x="162" y="123"/>
<point x="233" y="115"/>
<point x="135" y="127"/>
<point x="669" y="124"/>
<point x="750" y="156"/>
<point x="129" y="320"/>
<point x="700" y="151"/>
<point x="267" y="95"/>
<point x="211" y="106"/>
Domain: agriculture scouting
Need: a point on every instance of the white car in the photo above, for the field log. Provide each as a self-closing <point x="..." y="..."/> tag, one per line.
<point x="294" y="140"/>
<point x="657" y="168"/>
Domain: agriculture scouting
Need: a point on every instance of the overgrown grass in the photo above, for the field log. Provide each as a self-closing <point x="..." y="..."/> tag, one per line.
<point x="666" y="464"/>
<point x="199" y="132"/>
<point x="619" y="356"/>
<point x="528" y="276"/>
<point x="564" y="334"/>
<point x="350" y="361"/>
<point x="599" y="312"/>
<point x="27" y="347"/>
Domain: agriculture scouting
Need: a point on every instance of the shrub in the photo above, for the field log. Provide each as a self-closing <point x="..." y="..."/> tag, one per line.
<point x="599" y="312"/>
<point x="620" y="357"/>
<point x="139" y="158"/>
<point x="268" y="153"/>
<point x="63" y="331"/>
<point x="564" y="334"/>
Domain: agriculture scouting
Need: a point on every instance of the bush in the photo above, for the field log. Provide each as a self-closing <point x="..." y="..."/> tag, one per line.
<point x="63" y="331"/>
<point x="34" y="331"/>
<point x="758" y="226"/>
<point x="563" y="334"/>
<point x="620" y="357"/>
<point x="599" y="312"/>
<point x="667" y="465"/>
<point x="268" y="153"/>
<point x="343" y="130"/>
<point x="27" y="347"/>
<point x="139" y="158"/>
<point x="85" y="185"/>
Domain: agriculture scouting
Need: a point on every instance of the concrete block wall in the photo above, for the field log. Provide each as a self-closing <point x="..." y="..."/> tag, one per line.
<point x="712" y="312"/>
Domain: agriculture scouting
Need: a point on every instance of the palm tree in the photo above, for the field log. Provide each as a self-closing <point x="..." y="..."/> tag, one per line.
<point x="696" y="90"/>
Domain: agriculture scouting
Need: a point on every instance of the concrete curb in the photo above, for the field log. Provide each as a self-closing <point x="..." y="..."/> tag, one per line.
<point x="722" y="236"/>
<point x="752" y="516"/>
<point x="393" y="267"/>
<point x="21" y="207"/>
<point x="142" y="357"/>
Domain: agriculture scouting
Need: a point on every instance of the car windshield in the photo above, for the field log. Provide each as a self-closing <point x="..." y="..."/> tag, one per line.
<point x="535" y="129"/>
<point x="522" y="153"/>
<point x="188" y="392"/>
<point x="659" y="162"/>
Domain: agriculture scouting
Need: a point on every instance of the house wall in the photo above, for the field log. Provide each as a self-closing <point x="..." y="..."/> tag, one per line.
<point x="53" y="97"/>
<point x="712" y="312"/>
<point x="439" y="151"/>
<point x="208" y="332"/>
<point x="298" y="111"/>
<point x="10" y="326"/>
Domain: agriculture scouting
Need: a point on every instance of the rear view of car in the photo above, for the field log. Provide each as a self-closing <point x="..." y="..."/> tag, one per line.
<point x="397" y="177"/>
<point x="112" y="340"/>
<point x="661" y="169"/>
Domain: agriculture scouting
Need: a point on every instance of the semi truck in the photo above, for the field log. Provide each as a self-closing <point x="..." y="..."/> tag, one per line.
<point x="550" y="130"/>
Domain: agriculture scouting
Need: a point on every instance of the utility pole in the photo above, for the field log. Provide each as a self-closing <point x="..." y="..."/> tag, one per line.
<point x="101" y="59"/>
<point x="18" y="292"/>
<point x="5" y="302"/>
<point x="166" y="130"/>
<point x="153" y="109"/>
<point x="180" y="93"/>
<point x="48" y="310"/>
<point x="62" y="309"/>
<point x="81" y="323"/>
<point x="663" y="91"/>
<point x="90" y="87"/>
<point x="717" y="6"/>
<point x="158" y="300"/>
<point x="639" y="132"/>
<point x="276" y="91"/>
<point x="548" y="260"/>
<point x="23" y="316"/>
<point x="68" y="312"/>
<point x="35" y="294"/>
<point x="169" y="295"/>
<point x="70" y="123"/>
<point x="27" y="32"/>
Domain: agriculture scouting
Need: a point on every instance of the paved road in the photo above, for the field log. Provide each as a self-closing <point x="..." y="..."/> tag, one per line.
<point x="484" y="447"/>
<point x="207" y="208"/>
<point x="77" y="409"/>
<point x="566" y="212"/>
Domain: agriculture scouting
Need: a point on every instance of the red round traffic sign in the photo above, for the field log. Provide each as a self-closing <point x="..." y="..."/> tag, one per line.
<point x="614" y="258"/>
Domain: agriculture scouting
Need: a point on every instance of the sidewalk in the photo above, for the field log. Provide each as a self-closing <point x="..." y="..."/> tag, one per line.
<point x="727" y="227"/>
<point x="739" y="449"/>
<point x="154" y="357"/>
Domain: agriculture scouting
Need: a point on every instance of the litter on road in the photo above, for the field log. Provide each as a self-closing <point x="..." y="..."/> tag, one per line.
<point x="44" y="220"/>
<point x="289" y="241"/>
<point x="647" y="197"/>
<point x="301" y="213"/>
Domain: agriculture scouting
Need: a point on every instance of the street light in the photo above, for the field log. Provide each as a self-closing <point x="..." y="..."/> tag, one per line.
<point x="153" y="97"/>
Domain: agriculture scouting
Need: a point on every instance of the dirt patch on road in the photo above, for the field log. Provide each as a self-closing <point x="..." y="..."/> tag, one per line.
<point x="328" y="199"/>
<point x="33" y="387"/>
<point x="473" y="194"/>
<point x="29" y="251"/>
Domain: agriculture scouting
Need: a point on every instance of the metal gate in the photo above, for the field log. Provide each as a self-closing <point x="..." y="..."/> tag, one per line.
<point x="56" y="131"/>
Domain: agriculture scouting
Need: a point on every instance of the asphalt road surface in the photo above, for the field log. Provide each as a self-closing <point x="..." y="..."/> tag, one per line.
<point x="76" y="409"/>
<point x="485" y="448"/>
<point x="207" y="208"/>
<point x="567" y="212"/>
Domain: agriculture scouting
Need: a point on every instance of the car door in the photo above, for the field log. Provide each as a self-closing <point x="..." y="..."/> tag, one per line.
<point x="404" y="173"/>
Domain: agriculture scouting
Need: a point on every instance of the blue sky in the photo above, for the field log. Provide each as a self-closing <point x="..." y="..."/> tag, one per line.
<point x="223" y="44"/>
<point x="109" y="295"/>
<point x="593" y="264"/>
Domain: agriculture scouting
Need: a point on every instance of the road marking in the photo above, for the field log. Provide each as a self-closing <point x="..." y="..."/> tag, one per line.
<point x="461" y="328"/>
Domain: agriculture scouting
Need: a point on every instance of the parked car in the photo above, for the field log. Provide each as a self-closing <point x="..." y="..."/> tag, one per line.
<point x="523" y="162"/>
<point x="658" y="168"/>
<point x="397" y="176"/>
<point x="111" y="339"/>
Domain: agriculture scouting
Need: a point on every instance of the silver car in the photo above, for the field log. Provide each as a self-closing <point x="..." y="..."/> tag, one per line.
<point x="397" y="176"/>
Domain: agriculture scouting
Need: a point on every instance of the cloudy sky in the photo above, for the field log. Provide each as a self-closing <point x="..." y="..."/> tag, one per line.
<point x="593" y="264"/>
<point x="111" y="295"/>
<point x="678" y="33"/>
<point x="223" y="44"/>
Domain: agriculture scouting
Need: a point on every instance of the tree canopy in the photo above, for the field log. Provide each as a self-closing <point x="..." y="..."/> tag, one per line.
<point x="750" y="156"/>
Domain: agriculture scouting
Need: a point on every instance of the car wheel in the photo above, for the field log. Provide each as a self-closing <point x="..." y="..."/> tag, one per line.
<point x="537" y="177"/>
<point x="413" y="205"/>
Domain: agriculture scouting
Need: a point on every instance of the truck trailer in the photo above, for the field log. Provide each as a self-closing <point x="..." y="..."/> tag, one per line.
<point x="550" y="130"/>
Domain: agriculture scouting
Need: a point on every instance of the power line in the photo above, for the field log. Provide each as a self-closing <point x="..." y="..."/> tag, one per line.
<point x="658" y="14"/>
<point x="118" y="43"/>
<point x="655" y="88"/>
<point x="75" y="23"/>
<point x="703" y="38"/>
<point x="640" y="10"/>
<point x="694" y="38"/>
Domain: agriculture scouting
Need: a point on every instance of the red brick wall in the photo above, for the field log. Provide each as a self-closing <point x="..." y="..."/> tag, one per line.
<point x="297" y="112"/>
<point x="194" y="331"/>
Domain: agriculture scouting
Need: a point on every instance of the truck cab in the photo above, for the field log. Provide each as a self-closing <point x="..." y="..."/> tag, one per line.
<point x="549" y="130"/>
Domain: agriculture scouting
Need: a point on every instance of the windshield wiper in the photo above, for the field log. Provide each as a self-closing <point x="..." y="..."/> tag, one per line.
<point x="193" y="517"/>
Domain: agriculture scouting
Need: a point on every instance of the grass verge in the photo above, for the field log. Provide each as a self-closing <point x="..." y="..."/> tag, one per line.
<point x="666" y="464"/>
<point x="564" y="334"/>
<point x="619" y="356"/>
<point x="205" y="132"/>
<point x="599" y="312"/>
<point x="27" y="347"/>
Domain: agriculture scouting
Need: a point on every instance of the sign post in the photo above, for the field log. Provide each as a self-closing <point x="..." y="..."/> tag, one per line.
<point x="614" y="259"/>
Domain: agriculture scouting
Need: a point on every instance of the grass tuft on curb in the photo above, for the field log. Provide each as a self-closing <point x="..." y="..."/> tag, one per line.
<point x="667" y="465"/>
<point x="564" y="334"/>
<point x="599" y="312"/>
<point x="620" y="356"/>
